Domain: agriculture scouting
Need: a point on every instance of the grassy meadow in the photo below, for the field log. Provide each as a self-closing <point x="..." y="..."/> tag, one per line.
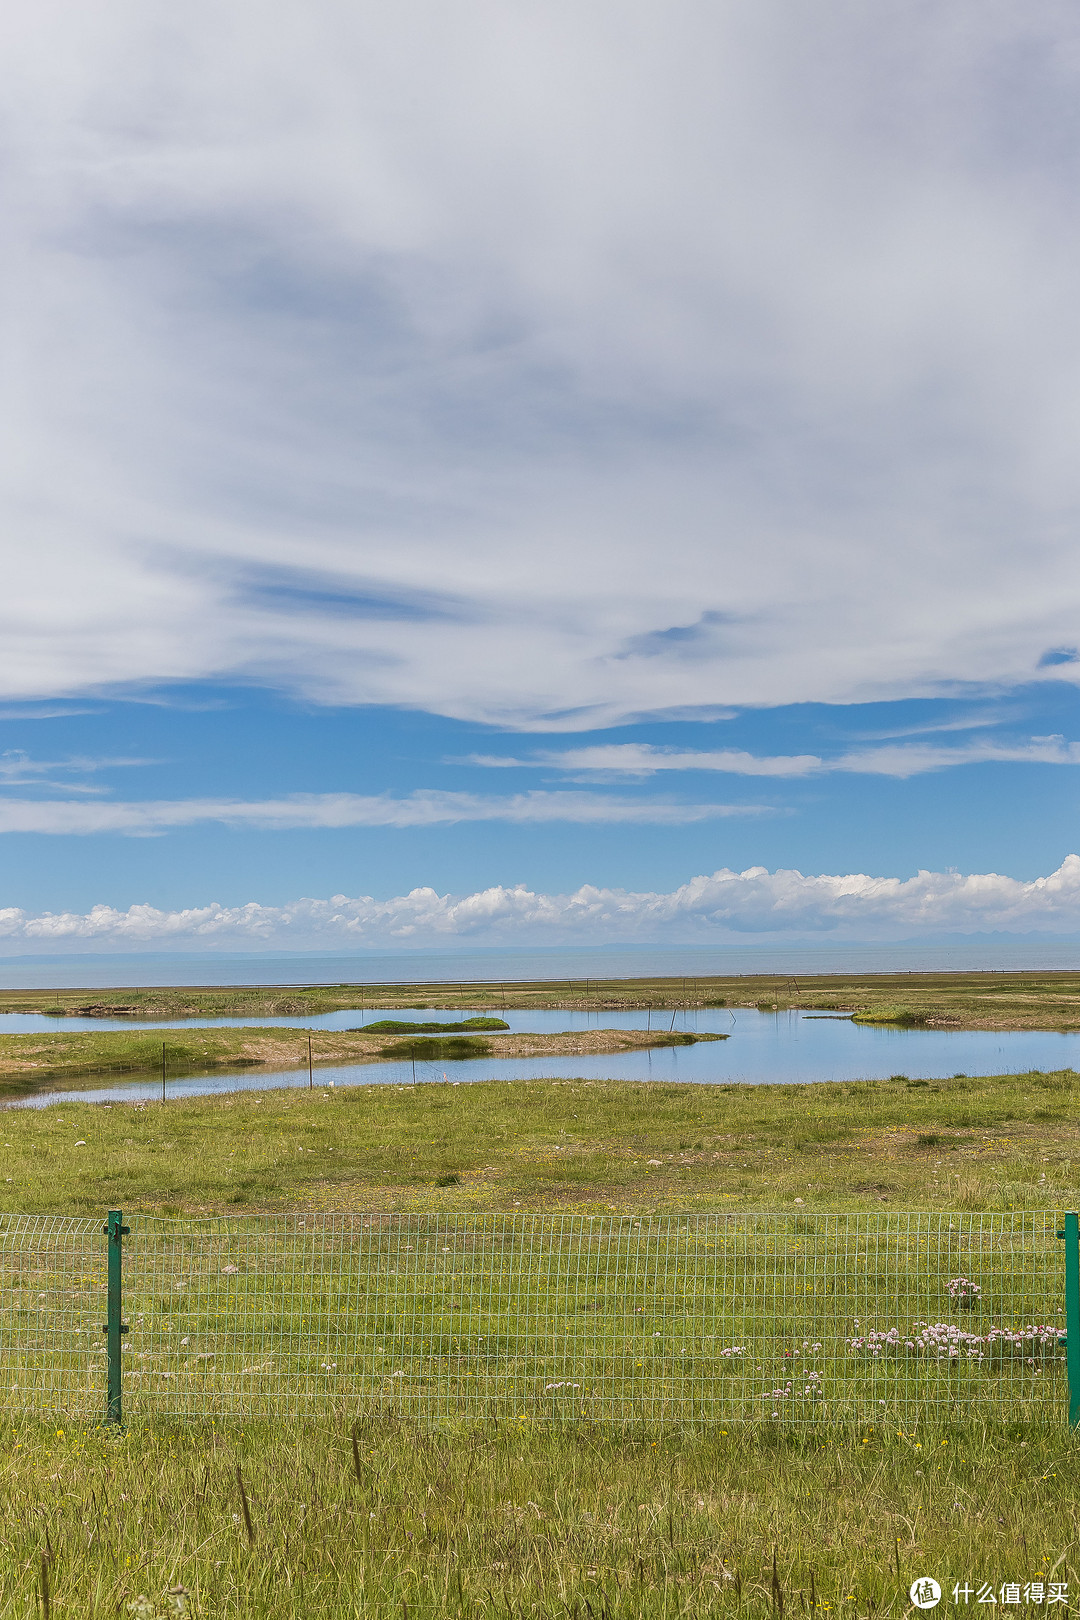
<point x="1002" y="1142"/>
<point x="522" y="1517"/>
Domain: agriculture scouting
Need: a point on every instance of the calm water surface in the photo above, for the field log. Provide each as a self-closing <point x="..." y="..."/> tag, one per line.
<point x="764" y="1048"/>
<point x="463" y="965"/>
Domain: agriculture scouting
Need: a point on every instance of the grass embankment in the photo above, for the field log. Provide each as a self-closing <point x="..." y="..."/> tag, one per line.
<point x="950" y="1000"/>
<point x="27" y="1060"/>
<point x="1006" y="1142"/>
<point x="403" y="1026"/>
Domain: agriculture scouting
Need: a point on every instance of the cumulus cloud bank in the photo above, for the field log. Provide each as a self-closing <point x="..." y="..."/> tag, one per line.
<point x="540" y="364"/>
<point x="724" y="906"/>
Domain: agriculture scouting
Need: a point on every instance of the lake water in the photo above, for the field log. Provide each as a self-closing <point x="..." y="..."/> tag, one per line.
<point x="764" y="1048"/>
<point x="464" y="965"/>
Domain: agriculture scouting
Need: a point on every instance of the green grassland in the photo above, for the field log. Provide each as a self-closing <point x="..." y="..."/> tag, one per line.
<point x="1001" y="1142"/>
<point x="522" y="1517"/>
<point x="953" y="1000"/>
<point x="518" y="1519"/>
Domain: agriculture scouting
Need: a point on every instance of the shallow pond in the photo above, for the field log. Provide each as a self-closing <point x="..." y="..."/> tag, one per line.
<point x="764" y="1048"/>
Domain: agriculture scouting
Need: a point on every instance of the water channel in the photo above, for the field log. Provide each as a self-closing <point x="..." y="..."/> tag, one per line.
<point x="786" y="1047"/>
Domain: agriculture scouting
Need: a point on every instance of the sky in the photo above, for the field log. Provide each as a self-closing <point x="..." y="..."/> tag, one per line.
<point x="538" y="472"/>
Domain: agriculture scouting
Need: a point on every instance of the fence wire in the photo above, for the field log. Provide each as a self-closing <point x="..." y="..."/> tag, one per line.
<point x="715" y="1318"/>
<point x="52" y="1313"/>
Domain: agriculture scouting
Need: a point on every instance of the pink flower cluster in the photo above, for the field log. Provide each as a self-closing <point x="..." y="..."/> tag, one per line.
<point x="944" y="1342"/>
<point x="963" y="1290"/>
<point x="811" y="1388"/>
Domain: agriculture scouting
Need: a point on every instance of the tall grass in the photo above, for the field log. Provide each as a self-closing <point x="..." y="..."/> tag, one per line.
<point x="514" y="1519"/>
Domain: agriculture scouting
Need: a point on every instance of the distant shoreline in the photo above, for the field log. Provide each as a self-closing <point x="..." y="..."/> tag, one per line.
<point x="941" y="1000"/>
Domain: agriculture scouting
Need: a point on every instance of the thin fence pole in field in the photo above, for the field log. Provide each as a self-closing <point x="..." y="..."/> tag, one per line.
<point x="163" y="1071"/>
<point x="114" y="1327"/>
<point x="1071" y="1234"/>
<point x="310" y="1075"/>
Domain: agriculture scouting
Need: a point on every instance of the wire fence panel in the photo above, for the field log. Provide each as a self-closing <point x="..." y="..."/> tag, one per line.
<point x="713" y="1318"/>
<point x="52" y="1312"/>
<point x="720" y="1317"/>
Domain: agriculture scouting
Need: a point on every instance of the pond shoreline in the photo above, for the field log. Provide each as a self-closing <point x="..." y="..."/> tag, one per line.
<point x="28" y="1060"/>
<point x="986" y="1000"/>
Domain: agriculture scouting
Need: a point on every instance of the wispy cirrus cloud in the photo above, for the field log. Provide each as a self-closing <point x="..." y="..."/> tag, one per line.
<point x="43" y="711"/>
<point x="902" y="760"/>
<point x="724" y="905"/>
<point x="18" y="769"/>
<point x="328" y="810"/>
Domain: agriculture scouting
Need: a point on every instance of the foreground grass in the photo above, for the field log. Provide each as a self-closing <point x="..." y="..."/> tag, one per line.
<point x="518" y="1518"/>
<point x="523" y="1520"/>
<point x="951" y="1000"/>
<point x="1002" y="1142"/>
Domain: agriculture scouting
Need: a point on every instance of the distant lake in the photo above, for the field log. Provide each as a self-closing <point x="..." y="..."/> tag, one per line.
<point x="764" y="1048"/>
<point x="102" y="971"/>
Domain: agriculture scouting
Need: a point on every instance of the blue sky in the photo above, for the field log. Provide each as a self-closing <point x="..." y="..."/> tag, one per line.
<point x="533" y="453"/>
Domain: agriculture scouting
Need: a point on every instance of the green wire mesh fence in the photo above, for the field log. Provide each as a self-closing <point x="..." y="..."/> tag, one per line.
<point x="716" y="1318"/>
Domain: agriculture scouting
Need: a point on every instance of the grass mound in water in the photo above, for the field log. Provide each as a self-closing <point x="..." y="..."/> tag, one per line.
<point x="397" y="1026"/>
<point x="462" y="1047"/>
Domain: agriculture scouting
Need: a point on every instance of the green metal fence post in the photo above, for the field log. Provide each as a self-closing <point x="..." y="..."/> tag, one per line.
<point x="1071" y="1234"/>
<point x="116" y="1231"/>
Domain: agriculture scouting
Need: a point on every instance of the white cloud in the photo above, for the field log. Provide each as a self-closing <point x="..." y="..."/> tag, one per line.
<point x="17" y="768"/>
<point x="426" y="808"/>
<point x="724" y="906"/>
<point x="598" y="359"/>
<point x="909" y="759"/>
